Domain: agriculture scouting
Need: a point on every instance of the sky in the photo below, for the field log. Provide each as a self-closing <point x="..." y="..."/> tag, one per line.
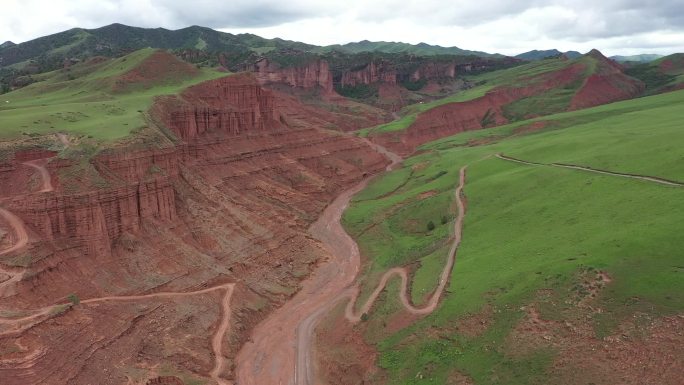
<point x="616" y="27"/>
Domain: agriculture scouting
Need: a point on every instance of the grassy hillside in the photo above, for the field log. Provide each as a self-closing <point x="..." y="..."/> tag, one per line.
<point x="118" y="39"/>
<point x="102" y="98"/>
<point x="595" y="257"/>
<point x="660" y="75"/>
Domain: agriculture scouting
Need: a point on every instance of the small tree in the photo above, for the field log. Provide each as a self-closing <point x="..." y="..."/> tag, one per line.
<point x="73" y="298"/>
<point x="364" y="317"/>
<point x="430" y="226"/>
<point x="445" y="219"/>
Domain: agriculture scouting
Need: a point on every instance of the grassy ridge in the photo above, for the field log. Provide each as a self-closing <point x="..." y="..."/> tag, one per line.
<point x="85" y="100"/>
<point x="530" y="228"/>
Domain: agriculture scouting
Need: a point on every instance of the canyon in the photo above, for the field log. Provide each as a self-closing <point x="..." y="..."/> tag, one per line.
<point x="168" y="215"/>
<point x="206" y="246"/>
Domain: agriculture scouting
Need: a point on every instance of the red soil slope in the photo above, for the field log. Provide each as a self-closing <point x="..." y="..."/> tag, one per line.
<point x="159" y="68"/>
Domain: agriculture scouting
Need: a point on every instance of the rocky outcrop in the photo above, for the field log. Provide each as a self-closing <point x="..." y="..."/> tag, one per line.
<point x="91" y="221"/>
<point x="434" y="70"/>
<point x="312" y="75"/>
<point x="230" y="106"/>
<point x="373" y="72"/>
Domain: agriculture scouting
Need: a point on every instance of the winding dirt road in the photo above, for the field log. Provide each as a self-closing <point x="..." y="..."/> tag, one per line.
<point x="39" y="164"/>
<point x="281" y="348"/>
<point x="21" y="239"/>
<point x="594" y="170"/>
<point x="19" y="228"/>
<point x="305" y="367"/>
<point x="269" y="358"/>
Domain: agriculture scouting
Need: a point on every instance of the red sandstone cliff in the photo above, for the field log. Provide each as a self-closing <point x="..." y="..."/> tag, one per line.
<point x="434" y="70"/>
<point x="315" y="74"/>
<point x="373" y="72"/>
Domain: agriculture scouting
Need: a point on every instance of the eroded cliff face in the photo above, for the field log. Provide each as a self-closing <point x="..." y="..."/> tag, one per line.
<point x="315" y="74"/>
<point x="373" y="72"/>
<point x="434" y="70"/>
<point x="229" y="202"/>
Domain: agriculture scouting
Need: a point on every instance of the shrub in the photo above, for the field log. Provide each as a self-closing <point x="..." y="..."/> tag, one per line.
<point x="430" y="226"/>
<point x="73" y="298"/>
<point x="445" y="219"/>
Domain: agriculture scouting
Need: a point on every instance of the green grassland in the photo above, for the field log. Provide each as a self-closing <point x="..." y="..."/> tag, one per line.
<point x="529" y="228"/>
<point x="87" y="100"/>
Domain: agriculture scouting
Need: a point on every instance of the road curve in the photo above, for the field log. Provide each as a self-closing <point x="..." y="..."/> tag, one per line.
<point x="21" y="239"/>
<point x="269" y="357"/>
<point x="20" y="228"/>
<point x="39" y="164"/>
<point x="595" y="170"/>
<point x="216" y="341"/>
<point x="305" y="373"/>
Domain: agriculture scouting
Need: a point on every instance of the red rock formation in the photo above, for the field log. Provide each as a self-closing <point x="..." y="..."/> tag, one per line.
<point x="606" y="84"/>
<point x="92" y="220"/>
<point x="475" y="114"/>
<point x="229" y="203"/>
<point x="315" y="74"/>
<point x="373" y="72"/>
<point x="434" y="70"/>
<point x="230" y="105"/>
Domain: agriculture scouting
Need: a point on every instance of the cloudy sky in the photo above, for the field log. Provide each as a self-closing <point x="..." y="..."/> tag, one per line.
<point x="504" y="26"/>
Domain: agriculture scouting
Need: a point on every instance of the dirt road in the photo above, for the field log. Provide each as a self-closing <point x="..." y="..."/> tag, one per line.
<point x="38" y="315"/>
<point x="216" y="341"/>
<point x="46" y="182"/>
<point x="596" y="171"/>
<point x="270" y="356"/>
<point x="305" y="368"/>
<point x="20" y="233"/>
<point x="281" y="348"/>
<point x="20" y="240"/>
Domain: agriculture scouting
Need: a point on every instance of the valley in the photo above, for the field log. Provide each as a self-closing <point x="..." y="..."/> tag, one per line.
<point x="271" y="212"/>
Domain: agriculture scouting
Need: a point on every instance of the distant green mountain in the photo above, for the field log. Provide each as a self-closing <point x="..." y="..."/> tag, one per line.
<point x="643" y="58"/>
<point x="544" y="54"/>
<point x="118" y="39"/>
<point x="420" y="49"/>
<point x="6" y="44"/>
<point x="663" y="74"/>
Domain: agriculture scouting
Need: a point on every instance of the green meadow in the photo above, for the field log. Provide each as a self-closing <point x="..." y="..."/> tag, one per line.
<point x="528" y="228"/>
<point x="85" y="100"/>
